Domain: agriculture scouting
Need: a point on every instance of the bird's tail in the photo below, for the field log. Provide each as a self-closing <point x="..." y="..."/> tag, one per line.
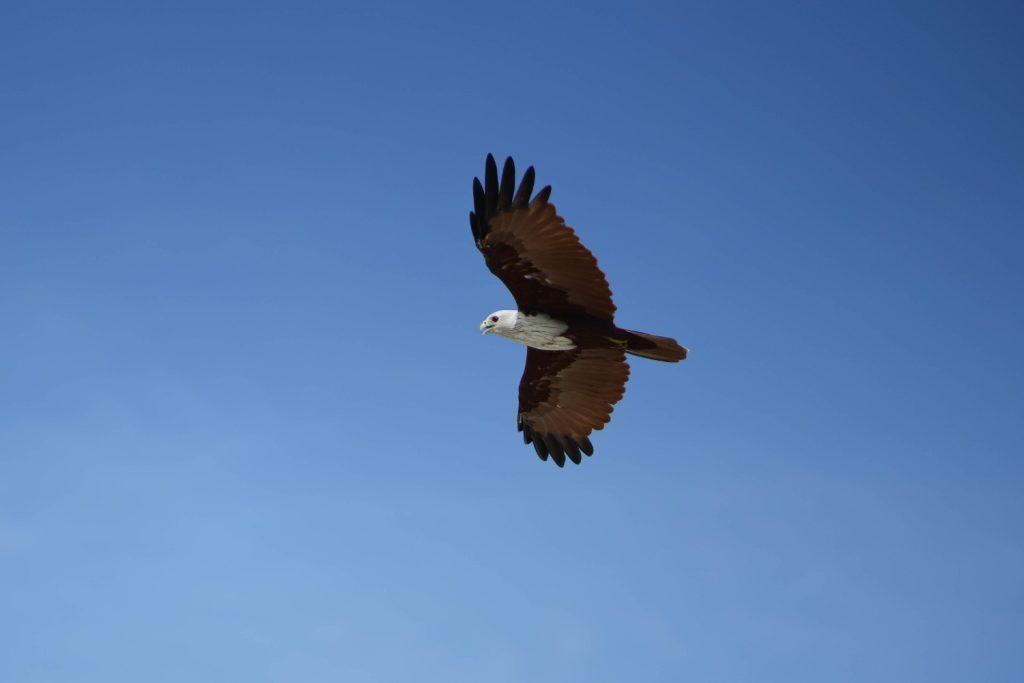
<point x="653" y="347"/>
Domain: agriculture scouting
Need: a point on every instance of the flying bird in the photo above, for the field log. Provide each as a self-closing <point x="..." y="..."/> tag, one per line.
<point x="576" y="367"/>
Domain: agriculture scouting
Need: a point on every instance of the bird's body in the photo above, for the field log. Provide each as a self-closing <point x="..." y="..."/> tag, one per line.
<point x="576" y="366"/>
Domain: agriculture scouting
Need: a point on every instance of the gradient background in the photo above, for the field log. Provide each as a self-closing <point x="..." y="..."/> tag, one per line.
<point x="249" y="430"/>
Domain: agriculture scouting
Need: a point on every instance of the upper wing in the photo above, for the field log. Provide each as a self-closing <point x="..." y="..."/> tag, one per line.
<point x="564" y="395"/>
<point x="531" y="249"/>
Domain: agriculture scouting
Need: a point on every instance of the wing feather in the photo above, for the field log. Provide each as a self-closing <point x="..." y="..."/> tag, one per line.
<point x="522" y="198"/>
<point x="529" y="247"/>
<point x="491" y="185"/>
<point x="508" y="183"/>
<point x="565" y="395"/>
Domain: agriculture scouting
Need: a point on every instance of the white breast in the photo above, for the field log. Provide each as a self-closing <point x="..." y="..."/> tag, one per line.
<point x="541" y="332"/>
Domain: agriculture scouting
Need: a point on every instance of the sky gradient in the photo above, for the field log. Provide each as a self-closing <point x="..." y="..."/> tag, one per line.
<point x="249" y="430"/>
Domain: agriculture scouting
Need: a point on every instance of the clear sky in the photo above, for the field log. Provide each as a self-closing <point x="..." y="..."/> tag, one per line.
<point x="249" y="430"/>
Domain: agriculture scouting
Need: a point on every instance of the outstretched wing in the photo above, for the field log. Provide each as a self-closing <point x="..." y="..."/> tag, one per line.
<point x="564" y="395"/>
<point x="531" y="249"/>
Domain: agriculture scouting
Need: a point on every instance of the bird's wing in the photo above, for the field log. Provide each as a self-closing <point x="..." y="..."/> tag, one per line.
<point x="564" y="395"/>
<point x="530" y="248"/>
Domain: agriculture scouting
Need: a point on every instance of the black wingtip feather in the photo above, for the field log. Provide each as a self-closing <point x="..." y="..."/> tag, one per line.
<point x="571" y="449"/>
<point x="508" y="184"/>
<point x="586" y="446"/>
<point x="491" y="185"/>
<point x="558" y="456"/>
<point x="542" y="451"/>
<point x="542" y="196"/>
<point x="555" y="447"/>
<point x="522" y="197"/>
<point x="479" y="200"/>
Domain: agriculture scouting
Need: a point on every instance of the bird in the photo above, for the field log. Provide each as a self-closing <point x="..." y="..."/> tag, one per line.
<point x="576" y="368"/>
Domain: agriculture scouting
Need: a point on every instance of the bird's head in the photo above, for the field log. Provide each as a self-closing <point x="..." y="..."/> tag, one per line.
<point x="499" y="322"/>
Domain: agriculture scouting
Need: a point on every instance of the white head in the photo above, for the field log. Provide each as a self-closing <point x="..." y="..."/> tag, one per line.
<point x="499" y="322"/>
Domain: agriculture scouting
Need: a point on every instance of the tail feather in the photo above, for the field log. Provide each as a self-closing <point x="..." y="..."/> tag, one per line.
<point x="654" y="347"/>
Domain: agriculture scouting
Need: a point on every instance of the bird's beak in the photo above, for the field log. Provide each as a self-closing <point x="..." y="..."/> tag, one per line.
<point x="484" y="329"/>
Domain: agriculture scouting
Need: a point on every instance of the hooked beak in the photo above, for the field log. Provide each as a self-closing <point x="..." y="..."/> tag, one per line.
<point x="485" y="328"/>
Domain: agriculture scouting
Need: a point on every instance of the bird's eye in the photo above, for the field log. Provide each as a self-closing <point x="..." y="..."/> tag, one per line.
<point x="494" y="318"/>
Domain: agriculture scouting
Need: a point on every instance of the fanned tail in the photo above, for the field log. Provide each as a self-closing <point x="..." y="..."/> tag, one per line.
<point x="654" y="347"/>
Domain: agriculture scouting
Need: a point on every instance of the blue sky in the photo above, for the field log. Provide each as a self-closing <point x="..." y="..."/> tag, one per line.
<point x="249" y="430"/>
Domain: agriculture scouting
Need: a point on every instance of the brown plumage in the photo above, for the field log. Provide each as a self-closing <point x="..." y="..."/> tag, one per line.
<point x="567" y="393"/>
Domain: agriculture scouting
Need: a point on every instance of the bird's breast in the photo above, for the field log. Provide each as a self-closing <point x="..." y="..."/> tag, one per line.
<point x="541" y="332"/>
